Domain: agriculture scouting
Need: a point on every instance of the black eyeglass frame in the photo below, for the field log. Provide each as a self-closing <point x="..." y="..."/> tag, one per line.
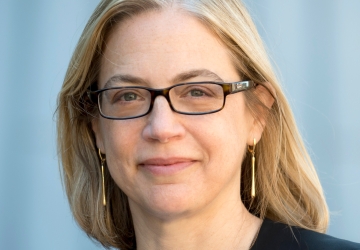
<point x="228" y="88"/>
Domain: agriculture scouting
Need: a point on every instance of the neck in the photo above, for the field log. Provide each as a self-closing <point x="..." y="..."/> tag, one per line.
<point x="226" y="226"/>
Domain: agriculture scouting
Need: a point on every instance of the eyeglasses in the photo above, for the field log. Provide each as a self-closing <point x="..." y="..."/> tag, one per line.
<point x="193" y="98"/>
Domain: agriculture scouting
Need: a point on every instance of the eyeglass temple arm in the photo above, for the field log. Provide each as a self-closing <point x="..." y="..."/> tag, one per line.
<point x="92" y="95"/>
<point x="241" y="86"/>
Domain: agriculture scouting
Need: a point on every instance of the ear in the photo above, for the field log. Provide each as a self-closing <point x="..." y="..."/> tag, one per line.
<point x="265" y="93"/>
<point x="98" y="137"/>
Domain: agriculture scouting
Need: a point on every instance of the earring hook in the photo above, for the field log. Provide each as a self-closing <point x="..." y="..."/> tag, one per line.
<point x="102" y="159"/>
<point x="252" y="148"/>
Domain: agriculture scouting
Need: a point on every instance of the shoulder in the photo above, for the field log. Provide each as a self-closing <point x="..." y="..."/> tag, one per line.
<point x="273" y="235"/>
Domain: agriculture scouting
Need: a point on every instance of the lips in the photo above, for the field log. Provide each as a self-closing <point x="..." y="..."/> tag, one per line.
<point x="166" y="166"/>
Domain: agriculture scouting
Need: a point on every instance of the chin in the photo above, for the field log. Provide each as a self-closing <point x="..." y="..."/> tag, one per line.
<point x="170" y="201"/>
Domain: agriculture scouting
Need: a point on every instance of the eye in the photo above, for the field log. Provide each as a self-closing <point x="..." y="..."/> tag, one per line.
<point x="204" y="90"/>
<point x="130" y="96"/>
<point x="197" y="92"/>
<point x="126" y="96"/>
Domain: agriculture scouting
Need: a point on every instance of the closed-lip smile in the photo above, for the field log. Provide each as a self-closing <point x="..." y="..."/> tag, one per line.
<point x="166" y="166"/>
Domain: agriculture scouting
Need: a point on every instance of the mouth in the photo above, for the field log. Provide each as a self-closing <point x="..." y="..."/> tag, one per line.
<point x="166" y="166"/>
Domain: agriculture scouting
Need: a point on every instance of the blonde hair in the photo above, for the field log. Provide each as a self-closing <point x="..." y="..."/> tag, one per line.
<point x="288" y="189"/>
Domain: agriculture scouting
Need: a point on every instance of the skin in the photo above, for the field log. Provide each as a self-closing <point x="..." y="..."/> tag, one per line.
<point x="181" y="173"/>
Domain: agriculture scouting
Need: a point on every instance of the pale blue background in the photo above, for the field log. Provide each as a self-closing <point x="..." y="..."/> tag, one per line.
<point x="316" y="47"/>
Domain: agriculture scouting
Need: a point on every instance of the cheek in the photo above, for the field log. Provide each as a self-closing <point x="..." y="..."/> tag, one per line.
<point x="240" y="121"/>
<point x="223" y="137"/>
<point x="120" y="139"/>
<point x="237" y="122"/>
<point x="120" y="136"/>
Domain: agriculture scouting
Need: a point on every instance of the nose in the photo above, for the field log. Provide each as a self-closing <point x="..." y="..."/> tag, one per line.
<point x="163" y="124"/>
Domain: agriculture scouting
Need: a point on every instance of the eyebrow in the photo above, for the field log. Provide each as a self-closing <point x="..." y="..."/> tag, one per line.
<point x="123" y="78"/>
<point x="185" y="76"/>
<point x="182" y="77"/>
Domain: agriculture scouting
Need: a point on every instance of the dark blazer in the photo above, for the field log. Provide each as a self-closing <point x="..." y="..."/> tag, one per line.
<point x="273" y="235"/>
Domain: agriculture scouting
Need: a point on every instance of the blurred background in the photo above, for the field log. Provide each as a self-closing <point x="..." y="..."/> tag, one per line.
<point x="314" y="46"/>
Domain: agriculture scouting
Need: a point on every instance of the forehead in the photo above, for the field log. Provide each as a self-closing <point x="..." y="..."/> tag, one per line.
<point x="156" y="45"/>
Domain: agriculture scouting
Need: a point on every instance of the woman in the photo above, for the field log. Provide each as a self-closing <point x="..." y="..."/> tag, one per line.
<point x="174" y="134"/>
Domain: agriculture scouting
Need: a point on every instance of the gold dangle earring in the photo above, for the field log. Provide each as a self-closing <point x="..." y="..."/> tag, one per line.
<point x="252" y="151"/>
<point x="103" y="179"/>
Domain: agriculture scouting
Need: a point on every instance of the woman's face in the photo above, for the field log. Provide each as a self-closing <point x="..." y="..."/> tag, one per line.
<point x="170" y="164"/>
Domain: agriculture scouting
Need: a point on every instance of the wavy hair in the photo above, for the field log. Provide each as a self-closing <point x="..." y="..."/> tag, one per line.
<point x="288" y="188"/>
